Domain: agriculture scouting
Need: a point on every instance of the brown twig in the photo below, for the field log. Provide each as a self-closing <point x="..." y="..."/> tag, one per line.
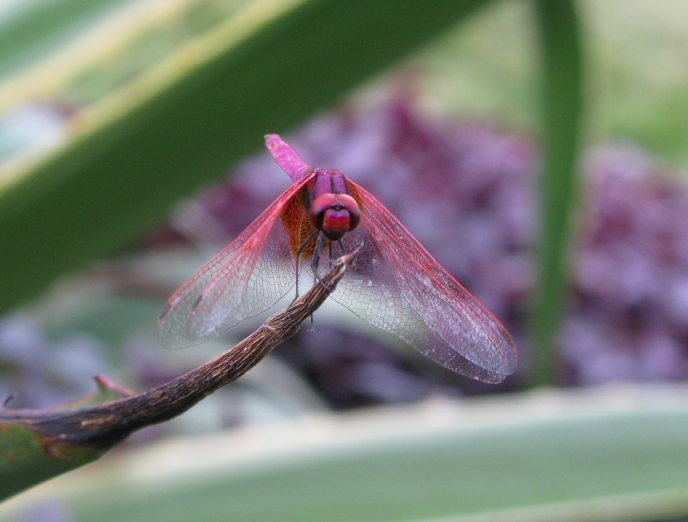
<point x="105" y="425"/>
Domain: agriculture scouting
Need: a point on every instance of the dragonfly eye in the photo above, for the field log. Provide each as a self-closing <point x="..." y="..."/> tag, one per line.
<point x="349" y="203"/>
<point x="334" y="214"/>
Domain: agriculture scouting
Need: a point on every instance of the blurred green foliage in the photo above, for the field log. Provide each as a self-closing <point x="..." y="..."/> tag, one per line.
<point x="41" y="26"/>
<point x="532" y="458"/>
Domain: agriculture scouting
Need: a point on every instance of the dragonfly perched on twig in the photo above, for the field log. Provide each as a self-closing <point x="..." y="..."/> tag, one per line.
<point x="394" y="284"/>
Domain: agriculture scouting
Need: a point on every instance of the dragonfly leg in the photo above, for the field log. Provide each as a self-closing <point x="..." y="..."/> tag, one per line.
<point x="315" y="260"/>
<point x="298" y="269"/>
<point x="331" y="252"/>
<point x="343" y="247"/>
<point x="299" y="251"/>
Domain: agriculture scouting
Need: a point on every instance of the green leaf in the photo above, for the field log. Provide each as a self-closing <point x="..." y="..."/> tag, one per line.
<point x="607" y="454"/>
<point x="562" y="113"/>
<point x="37" y="27"/>
<point x="187" y="120"/>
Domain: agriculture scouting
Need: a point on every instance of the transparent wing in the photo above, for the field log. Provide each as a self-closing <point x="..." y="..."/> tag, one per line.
<point x="397" y="286"/>
<point x="246" y="278"/>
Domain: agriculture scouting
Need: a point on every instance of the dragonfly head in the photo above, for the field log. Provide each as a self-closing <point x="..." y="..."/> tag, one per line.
<point x="334" y="214"/>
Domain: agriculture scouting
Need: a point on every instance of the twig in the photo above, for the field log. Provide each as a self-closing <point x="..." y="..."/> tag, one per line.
<point x="105" y="425"/>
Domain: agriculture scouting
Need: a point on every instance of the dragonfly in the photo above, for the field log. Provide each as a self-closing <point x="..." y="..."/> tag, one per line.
<point x="394" y="283"/>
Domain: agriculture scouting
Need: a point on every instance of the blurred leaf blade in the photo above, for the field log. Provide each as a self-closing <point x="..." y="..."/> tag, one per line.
<point x="31" y="28"/>
<point x="122" y="174"/>
<point x="561" y="119"/>
<point x="616" y="453"/>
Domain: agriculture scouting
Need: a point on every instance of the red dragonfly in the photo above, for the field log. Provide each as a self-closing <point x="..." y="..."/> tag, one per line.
<point x="394" y="284"/>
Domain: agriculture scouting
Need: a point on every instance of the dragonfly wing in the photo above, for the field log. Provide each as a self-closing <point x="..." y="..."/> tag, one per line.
<point x="246" y="278"/>
<point x="397" y="286"/>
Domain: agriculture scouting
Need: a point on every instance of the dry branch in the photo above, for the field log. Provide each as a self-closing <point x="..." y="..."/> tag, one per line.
<point x="105" y="425"/>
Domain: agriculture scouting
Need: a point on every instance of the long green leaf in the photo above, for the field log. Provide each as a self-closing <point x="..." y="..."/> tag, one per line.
<point x="156" y="144"/>
<point x="612" y="455"/>
<point x="562" y="112"/>
<point x="37" y="26"/>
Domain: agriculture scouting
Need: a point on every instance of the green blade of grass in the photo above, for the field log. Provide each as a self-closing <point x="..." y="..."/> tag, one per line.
<point x="562" y="108"/>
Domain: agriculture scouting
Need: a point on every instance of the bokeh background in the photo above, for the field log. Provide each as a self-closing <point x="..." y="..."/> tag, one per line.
<point x="537" y="149"/>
